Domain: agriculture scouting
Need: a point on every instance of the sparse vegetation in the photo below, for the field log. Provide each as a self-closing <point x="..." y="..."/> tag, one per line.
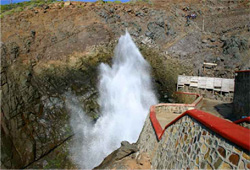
<point x="62" y="5"/>
<point x="18" y="7"/>
<point x="109" y="2"/>
<point x="117" y="2"/>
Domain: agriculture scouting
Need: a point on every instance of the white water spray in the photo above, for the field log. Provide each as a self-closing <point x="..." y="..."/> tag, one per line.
<point x="125" y="97"/>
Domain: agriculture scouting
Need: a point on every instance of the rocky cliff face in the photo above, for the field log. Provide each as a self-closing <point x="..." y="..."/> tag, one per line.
<point x="34" y="117"/>
<point x="51" y="49"/>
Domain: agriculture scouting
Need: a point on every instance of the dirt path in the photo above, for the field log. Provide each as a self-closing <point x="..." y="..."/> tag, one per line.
<point x="217" y="108"/>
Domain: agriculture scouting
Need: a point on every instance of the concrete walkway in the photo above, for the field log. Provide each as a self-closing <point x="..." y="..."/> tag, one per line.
<point x="165" y="118"/>
<point x="217" y="108"/>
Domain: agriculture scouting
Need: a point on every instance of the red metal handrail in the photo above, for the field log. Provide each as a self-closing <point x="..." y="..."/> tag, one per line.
<point x="247" y="119"/>
<point x="241" y="71"/>
<point x="230" y="131"/>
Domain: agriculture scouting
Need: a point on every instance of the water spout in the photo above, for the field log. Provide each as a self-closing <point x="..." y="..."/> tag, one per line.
<point x="125" y="97"/>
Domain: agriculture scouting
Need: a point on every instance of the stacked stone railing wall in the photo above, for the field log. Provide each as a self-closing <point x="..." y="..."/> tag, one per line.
<point x="149" y="136"/>
<point x="179" y="108"/>
<point x="188" y="143"/>
<point x="195" y="140"/>
<point x="148" y="139"/>
<point x="209" y="94"/>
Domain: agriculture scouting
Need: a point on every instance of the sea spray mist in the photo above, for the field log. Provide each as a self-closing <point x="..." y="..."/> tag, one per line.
<point x="125" y="96"/>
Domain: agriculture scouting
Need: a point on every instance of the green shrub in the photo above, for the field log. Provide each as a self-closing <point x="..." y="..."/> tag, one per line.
<point x="5" y="8"/>
<point x="117" y="2"/>
<point x="23" y="5"/>
<point x="101" y="1"/>
<point x="32" y="6"/>
<point x="9" y="12"/>
<point x="18" y="9"/>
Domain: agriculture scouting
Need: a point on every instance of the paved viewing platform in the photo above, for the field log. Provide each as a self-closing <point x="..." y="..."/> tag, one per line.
<point x="214" y="107"/>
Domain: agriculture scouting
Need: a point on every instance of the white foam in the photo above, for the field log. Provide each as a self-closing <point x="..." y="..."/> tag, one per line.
<point x="126" y="95"/>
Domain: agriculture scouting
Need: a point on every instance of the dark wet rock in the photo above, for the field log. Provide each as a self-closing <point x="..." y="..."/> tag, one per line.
<point x="37" y="103"/>
<point x="235" y="45"/>
<point x="129" y="10"/>
<point x="103" y="14"/>
<point x="134" y="29"/>
<point x="223" y="38"/>
<point x="33" y="33"/>
<point x="125" y="150"/>
<point x="149" y="34"/>
<point x="113" y="19"/>
<point x="237" y="55"/>
<point x="200" y="12"/>
<point x="111" y="10"/>
<point x="204" y="41"/>
<point x="125" y="24"/>
<point x="14" y="50"/>
<point x="139" y="14"/>
<point x="3" y="51"/>
<point x="54" y="39"/>
<point x="28" y="44"/>
<point x="46" y="7"/>
<point x="188" y="45"/>
<point x="160" y="22"/>
<point x="212" y="39"/>
<point x="187" y="8"/>
<point x="170" y="30"/>
<point x="156" y="30"/>
<point x="177" y="14"/>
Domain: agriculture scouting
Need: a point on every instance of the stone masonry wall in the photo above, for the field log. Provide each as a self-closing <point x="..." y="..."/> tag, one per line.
<point x="189" y="144"/>
<point x="179" y="108"/>
<point x="225" y="97"/>
<point x="245" y="124"/>
<point x="242" y="94"/>
<point x="147" y="140"/>
<point x="173" y="109"/>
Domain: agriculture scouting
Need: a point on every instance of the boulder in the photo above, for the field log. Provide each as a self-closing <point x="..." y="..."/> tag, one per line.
<point x="156" y="30"/>
<point x="68" y="3"/>
<point x="125" y="150"/>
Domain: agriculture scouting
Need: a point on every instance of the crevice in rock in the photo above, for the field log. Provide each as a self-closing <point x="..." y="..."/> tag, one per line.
<point x="49" y="151"/>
